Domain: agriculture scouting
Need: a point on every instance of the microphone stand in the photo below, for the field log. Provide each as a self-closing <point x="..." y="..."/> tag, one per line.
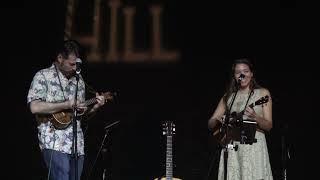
<point x="226" y="124"/>
<point x="215" y="156"/>
<point x="285" y="155"/>
<point x="107" y="129"/>
<point x="74" y="128"/>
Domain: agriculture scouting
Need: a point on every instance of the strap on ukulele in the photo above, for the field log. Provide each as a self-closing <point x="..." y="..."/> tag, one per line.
<point x="247" y="134"/>
<point x="60" y="82"/>
<point x="251" y="92"/>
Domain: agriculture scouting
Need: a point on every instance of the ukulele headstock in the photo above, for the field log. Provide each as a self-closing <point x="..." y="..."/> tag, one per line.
<point x="262" y="100"/>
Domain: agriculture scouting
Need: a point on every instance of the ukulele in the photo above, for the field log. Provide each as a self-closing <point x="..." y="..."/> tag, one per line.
<point x="62" y="119"/>
<point x="168" y="130"/>
<point x="219" y="132"/>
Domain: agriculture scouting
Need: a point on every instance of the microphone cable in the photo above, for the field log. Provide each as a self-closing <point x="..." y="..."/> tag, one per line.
<point x="51" y="154"/>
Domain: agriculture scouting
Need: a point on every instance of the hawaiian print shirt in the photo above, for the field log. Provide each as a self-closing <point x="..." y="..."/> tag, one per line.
<point x="46" y="86"/>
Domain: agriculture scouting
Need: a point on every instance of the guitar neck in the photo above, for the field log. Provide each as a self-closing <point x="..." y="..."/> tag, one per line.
<point x="169" y="163"/>
<point x="254" y="104"/>
<point x="90" y="101"/>
<point x="251" y="105"/>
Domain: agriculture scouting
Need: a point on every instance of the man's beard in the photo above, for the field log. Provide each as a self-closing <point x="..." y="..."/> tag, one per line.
<point x="68" y="74"/>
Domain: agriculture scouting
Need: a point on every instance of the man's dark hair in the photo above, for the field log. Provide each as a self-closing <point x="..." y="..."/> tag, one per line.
<point x="68" y="47"/>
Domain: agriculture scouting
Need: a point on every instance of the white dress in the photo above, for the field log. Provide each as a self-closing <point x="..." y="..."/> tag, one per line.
<point x="248" y="162"/>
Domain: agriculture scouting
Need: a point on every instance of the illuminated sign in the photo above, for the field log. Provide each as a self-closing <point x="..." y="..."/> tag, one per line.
<point x="112" y="52"/>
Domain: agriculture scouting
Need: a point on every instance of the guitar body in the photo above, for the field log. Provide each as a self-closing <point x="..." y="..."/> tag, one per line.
<point x="235" y="121"/>
<point x="219" y="134"/>
<point x="60" y="120"/>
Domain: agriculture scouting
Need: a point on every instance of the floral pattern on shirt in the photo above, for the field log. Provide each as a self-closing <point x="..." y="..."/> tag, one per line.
<point x="45" y="86"/>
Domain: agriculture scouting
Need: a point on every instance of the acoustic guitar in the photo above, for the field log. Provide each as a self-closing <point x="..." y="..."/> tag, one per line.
<point x="219" y="132"/>
<point x="168" y="130"/>
<point x="62" y="119"/>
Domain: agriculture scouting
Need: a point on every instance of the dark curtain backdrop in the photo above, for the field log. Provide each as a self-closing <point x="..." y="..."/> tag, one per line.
<point x="209" y="37"/>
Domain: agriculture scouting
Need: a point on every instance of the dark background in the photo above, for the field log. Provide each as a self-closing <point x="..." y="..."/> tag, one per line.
<point x="209" y="37"/>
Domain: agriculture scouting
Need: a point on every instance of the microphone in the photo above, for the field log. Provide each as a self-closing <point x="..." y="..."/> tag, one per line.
<point x="78" y="65"/>
<point x="241" y="77"/>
